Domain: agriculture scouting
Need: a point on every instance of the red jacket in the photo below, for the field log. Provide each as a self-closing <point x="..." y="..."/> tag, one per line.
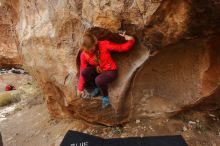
<point x="106" y="61"/>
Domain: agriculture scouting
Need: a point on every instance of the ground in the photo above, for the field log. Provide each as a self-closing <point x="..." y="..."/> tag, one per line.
<point x="28" y="123"/>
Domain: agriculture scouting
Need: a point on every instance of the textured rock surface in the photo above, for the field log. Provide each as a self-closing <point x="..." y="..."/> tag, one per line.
<point x="8" y="38"/>
<point x="56" y="29"/>
<point x="184" y="72"/>
<point x="179" y="76"/>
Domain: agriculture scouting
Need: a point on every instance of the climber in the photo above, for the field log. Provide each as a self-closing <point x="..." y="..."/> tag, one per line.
<point x="97" y="66"/>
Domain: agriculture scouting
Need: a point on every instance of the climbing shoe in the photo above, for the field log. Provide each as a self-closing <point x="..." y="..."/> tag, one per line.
<point x="105" y="101"/>
<point x="95" y="92"/>
<point x="86" y="95"/>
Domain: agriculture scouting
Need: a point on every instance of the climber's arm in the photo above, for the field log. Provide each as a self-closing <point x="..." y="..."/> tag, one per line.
<point x="83" y="65"/>
<point x="120" y="47"/>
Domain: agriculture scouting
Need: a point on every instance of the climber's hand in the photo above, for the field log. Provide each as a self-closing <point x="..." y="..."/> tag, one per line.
<point x="80" y="93"/>
<point x="128" y="37"/>
<point x="122" y="33"/>
<point x="98" y="69"/>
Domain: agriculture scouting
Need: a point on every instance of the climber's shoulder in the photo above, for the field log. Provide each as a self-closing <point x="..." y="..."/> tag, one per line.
<point x="83" y="55"/>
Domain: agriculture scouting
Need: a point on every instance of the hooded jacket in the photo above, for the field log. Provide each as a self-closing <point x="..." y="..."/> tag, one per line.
<point x="105" y="60"/>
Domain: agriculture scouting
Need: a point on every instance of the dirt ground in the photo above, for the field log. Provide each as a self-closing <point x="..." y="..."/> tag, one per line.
<point x="28" y="123"/>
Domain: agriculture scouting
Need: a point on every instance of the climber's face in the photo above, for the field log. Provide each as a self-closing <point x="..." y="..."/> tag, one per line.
<point x="90" y="51"/>
<point x="89" y="43"/>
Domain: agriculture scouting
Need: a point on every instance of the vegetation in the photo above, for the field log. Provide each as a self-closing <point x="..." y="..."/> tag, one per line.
<point x="9" y="97"/>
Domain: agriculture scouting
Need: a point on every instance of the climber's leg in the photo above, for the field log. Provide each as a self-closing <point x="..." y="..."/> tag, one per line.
<point x="89" y="74"/>
<point x="103" y="79"/>
<point x="102" y="82"/>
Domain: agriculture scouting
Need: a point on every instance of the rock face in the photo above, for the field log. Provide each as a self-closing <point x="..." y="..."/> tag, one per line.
<point x="9" y="55"/>
<point x="183" y="73"/>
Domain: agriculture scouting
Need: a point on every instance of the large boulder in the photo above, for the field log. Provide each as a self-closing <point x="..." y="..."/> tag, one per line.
<point x="50" y="50"/>
<point x="184" y="71"/>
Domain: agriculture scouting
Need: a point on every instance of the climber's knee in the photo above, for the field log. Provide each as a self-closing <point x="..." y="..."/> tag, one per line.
<point x="99" y="81"/>
<point x="88" y="71"/>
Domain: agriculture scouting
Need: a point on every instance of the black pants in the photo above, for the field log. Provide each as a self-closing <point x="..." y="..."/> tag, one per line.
<point x="100" y="80"/>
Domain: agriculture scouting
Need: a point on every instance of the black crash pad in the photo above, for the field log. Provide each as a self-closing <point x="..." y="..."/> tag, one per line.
<point x="74" y="138"/>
